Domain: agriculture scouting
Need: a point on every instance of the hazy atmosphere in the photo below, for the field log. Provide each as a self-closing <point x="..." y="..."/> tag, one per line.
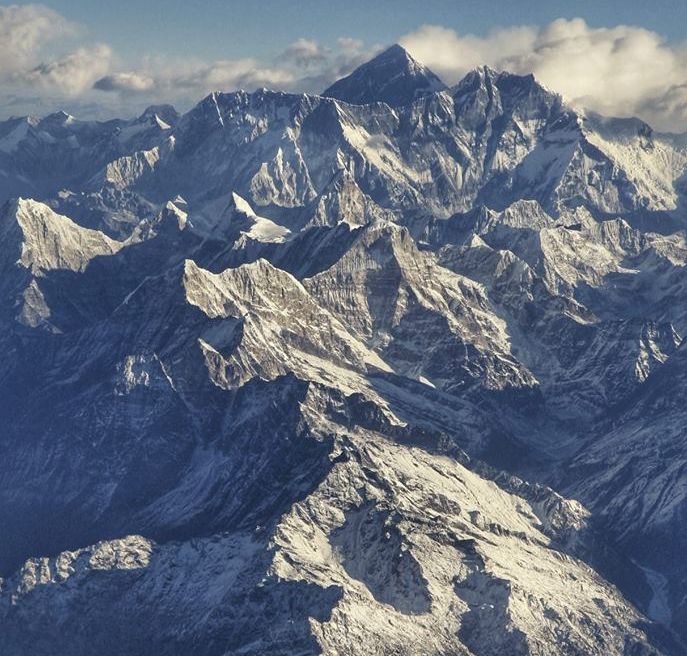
<point x="98" y="60"/>
<point x="343" y="329"/>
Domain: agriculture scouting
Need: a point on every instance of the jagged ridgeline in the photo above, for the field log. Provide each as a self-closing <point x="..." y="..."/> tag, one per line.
<point x="397" y="369"/>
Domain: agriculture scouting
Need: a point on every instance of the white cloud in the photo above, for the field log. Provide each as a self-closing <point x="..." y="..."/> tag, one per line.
<point x="28" y="36"/>
<point x="620" y="71"/>
<point x="130" y="82"/>
<point x="24" y="33"/>
<point x="349" y="45"/>
<point x="451" y="56"/>
<point x="73" y="73"/>
<point x="668" y="109"/>
<point x="304" y="66"/>
<point x="167" y="79"/>
<point x="305" y="53"/>
<point x="243" y="74"/>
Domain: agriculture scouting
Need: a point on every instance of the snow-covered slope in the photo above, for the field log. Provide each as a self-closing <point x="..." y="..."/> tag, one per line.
<point x="50" y="241"/>
<point x="397" y="369"/>
<point x="389" y="549"/>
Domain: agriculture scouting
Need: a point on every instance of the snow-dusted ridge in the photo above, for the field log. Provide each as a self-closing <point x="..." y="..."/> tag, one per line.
<point x="394" y="369"/>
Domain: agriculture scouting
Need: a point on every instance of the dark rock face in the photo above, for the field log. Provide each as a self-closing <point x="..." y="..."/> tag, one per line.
<point x="392" y="77"/>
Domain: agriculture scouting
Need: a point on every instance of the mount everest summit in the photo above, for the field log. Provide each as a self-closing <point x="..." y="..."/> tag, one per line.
<point x="396" y="369"/>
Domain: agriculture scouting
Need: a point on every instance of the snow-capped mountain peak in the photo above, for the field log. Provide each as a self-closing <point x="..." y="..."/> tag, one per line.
<point x="393" y="77"/>
<point x="335" y="374"/>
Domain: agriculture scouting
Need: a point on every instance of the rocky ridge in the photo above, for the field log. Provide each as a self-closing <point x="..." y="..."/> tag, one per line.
<point x="286" y="362"/>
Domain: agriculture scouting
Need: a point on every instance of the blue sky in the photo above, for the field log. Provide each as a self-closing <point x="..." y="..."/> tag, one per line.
<point x="230" y="28"/>
<point x="99" y="59"/>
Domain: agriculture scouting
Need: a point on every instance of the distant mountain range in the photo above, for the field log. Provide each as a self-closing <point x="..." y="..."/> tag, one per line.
<point x="397" y="369"/>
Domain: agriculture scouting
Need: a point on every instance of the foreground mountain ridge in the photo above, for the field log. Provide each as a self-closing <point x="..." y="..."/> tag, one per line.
<point x="277" y="370"/>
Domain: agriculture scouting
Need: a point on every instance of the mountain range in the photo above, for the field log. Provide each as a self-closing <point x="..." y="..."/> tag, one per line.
<point x="395" y="369"/>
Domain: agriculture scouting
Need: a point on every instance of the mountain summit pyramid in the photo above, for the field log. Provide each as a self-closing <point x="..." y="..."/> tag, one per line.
<point x="393" y="77"/>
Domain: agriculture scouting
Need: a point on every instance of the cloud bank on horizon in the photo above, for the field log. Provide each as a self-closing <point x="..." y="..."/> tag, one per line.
<point x="46" y="62"/>
<point x="619" y="71"/>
